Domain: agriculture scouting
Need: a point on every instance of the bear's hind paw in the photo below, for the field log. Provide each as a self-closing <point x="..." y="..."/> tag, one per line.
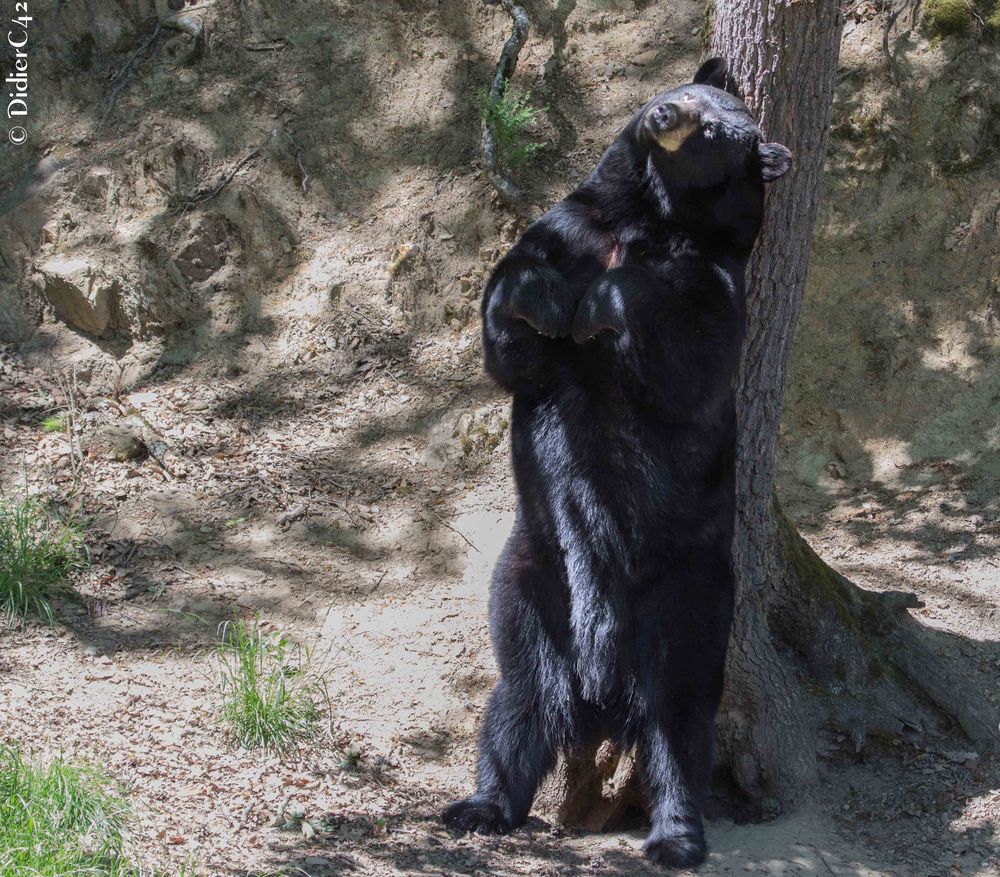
<point x="677" y="851"/>
<point x="480" y="817"/>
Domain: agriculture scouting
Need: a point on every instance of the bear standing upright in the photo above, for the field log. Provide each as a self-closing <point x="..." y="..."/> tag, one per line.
<point x="616" y="322"/>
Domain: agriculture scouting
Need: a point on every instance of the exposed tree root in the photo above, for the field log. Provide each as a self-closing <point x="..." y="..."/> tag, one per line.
<point x="121" y="77"/>
<point x="874" y="669"/>
<point x="595" y="789"/>
<point x="504" y="71"/>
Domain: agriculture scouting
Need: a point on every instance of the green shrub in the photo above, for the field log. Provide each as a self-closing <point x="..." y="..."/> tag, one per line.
<point x="511" y="117"/>
<point x="59" y="820"/>
<point x="268" y="692"/>
<point x="948" y="16"/>
<point x="37" y="554"/>
<point x="993" y="20"/>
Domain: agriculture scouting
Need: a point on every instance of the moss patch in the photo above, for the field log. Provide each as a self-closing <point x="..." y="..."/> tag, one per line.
<point x="823" y="584"/>
<point x="946" y="17"/>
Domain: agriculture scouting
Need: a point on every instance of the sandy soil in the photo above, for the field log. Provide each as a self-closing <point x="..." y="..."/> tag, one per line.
<point x="330" y="456"/>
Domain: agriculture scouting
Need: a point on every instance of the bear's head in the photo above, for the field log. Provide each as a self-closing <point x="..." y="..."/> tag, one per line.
<point x="703" y="157"/>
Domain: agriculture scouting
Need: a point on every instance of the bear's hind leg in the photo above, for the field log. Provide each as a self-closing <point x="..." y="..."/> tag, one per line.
<point x="676" y="763"/>
<point x="515" y="753"/>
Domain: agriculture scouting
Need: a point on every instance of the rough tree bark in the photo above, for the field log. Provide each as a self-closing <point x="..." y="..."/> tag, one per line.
<point x="813" y="659"/>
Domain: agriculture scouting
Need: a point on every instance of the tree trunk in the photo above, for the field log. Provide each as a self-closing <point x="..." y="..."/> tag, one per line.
<point x="783" y="59"/>
<point x="813" y="659"/>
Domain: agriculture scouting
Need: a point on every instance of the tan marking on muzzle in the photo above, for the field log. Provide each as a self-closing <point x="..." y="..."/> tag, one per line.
<point x="687" y="124"/>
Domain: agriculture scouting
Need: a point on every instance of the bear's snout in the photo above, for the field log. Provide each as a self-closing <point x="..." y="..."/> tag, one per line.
<point x="669" y="123"/>
<point x="665" y="117"/>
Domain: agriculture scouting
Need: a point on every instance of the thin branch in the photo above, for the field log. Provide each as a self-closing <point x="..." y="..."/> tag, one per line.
<point x="889" y="25"/>
<point x="505" y="70"/>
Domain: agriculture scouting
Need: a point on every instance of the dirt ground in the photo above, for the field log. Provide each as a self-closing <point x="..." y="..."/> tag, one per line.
<point x="326" y="452"/>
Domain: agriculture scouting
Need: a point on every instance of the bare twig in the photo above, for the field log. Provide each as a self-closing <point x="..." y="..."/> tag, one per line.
<point x="505" y="70"/>
<point x="68" y="386"/>
<point x="205" y="193"/>
<point x="454" y="530"/>
<point x="298" y="158"/>
<point x="274" y="46"/>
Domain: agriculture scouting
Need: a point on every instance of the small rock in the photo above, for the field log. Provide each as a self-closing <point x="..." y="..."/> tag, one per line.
<point x="968" y="759"/>
<point x="80" y="294"/>
<point x="141" y="399"/>
<point x="117" y="443"/>
<point x="96" y="182"/>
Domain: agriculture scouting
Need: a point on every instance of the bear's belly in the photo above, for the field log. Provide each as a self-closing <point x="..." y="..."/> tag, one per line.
<point x="619" y="508"/>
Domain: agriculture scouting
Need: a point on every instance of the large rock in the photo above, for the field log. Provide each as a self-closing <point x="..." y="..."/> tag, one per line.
<point x="80" y="294"/>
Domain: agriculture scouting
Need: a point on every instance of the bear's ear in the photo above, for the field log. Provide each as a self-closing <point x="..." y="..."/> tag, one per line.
<point x="775" y="160"/>
<point x="713" y="72"/>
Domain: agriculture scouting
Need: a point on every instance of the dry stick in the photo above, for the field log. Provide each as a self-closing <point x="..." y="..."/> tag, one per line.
<point x="505" y="70"/>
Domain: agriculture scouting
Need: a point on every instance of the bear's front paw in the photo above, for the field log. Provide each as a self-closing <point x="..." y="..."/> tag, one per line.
<point x="601" y="309"/>
<point x="481" y="817"/>
<point x="549" y="314"/>
<point x="677" y="851"/>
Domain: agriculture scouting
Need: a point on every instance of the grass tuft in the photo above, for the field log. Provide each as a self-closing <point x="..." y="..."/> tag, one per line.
<point x="268" y="692"/>
<point x="59" y="820"/>
<point x="54" y="423"/>
<point x="511" y="117"/>
<point x="37" y="554"/>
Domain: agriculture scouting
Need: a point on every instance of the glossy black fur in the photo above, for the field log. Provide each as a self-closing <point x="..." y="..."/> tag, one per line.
<point x="616" y="322"/>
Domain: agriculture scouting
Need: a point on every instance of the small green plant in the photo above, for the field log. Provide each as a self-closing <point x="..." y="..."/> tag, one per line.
<point x="59" y="820"/>
<point x="54" y="423"/>
<point x="511" y="117"/>
<point x="37" y="554"/>
<point x="268" y="692"/>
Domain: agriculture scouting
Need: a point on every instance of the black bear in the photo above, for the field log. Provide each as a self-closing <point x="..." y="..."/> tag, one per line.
<point x="616" y="322"/>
